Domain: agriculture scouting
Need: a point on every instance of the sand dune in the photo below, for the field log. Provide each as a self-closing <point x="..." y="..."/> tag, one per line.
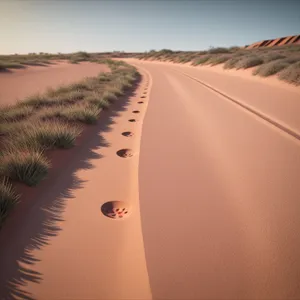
<point x="18" y="84"/>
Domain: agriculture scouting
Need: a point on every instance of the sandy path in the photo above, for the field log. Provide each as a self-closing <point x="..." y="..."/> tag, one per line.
<point x="62" y="246"/>
<point x="21" y="83"/>
<point x="222" y="186"/>
<point x="274" y="98"/>
<point x="214" y="216"/>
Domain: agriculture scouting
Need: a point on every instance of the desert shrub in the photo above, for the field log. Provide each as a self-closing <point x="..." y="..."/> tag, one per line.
<point x="218" y="50"/>
<point x="215" y="60"/>
<point x="291" y="60"/>
<point x="104" y="77"/>
<point x="232" y="62"/>
<point x="270" y="68"/>
<point x="116" y="89"/>
<point x="234" y="48"/>
<point x="291" y="74"/>
<point x="272" y="56"/>
<point x="109" y="96"/>
<point x="202" y="60"/>
<point x="248" y="62"/>
<point x="10" y="65"/>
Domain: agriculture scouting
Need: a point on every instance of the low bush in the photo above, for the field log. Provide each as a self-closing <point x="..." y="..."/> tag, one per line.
<point x="248" y="62"/>
<point x="291" y="74"/>
<point x="270" y="68"/>
<point x="216" y="60"/>
<point x="232" y="62"/>
<point x="202" y="60"/>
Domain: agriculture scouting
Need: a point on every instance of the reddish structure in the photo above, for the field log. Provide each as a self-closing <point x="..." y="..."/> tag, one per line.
<point x="288" y="40"/>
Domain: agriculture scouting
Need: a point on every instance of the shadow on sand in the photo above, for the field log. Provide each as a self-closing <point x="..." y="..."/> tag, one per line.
<point x="40" y="212"/>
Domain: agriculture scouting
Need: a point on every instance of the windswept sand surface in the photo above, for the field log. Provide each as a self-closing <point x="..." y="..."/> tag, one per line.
<point x="58" y="244"/>
<point x="18" y="84"/>
<point x="211" y="187"/>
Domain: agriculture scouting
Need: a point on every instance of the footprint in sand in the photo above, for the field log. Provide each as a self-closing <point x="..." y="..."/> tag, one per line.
<point x="127" y="133"/>
<point x="115" y="209"/>
<point x="125" y="153"/>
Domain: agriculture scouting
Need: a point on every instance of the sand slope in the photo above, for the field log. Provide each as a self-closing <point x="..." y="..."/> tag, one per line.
<point x="222" y="187"/>
<point x="60" y="245"/>
<point x="212" y="191"/>
<point x="18" y="84"/>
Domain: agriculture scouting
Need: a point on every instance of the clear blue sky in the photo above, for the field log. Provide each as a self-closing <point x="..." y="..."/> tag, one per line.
<point x="141" y="25"/>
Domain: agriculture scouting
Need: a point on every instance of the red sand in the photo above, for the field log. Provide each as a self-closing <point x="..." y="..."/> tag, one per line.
<point x="212" y="192"/>
<point x="18" y="84"/>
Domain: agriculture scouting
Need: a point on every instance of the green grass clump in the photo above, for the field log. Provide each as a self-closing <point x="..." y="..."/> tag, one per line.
<point x="15" y="113"/>
<point x="270" y="68"/>
<point x="70" y="97"/>
<point x="109" y="96"/>
<point x="61" y="96"/>
<point x="291" y="74"/>
<point x="37" y="101"/>
<point x="104" y="77"/>
<point x="10" y="65"/>
<point x="8" y="199"/>
<point x="87" y="115"/>
<point x="26" y="166"/>
<point x="248" y="62"/>
<point x="54" y="92"/>
<point x="46" y="135"/>
<point x="122" y="84"/>
<point x="7" y="128"/>
<point x="116" y="89"/>
<point x="96" y="99"/>
<point x="74" y="61"/>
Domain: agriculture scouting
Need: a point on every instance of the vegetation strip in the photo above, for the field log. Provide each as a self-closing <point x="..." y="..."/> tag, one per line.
<point x="52" y="121"/>
<point x="283" y="61"/>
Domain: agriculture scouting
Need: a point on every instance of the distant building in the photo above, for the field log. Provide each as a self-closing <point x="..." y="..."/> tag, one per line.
<point x="287" y="40"/>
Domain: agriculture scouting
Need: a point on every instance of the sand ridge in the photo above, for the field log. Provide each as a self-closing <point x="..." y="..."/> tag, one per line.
<point x="19" y="84"/>
<point x="82" y="233"/>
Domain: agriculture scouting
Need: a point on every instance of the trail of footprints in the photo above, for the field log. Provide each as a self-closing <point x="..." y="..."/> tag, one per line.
<point x="119" y="209"/>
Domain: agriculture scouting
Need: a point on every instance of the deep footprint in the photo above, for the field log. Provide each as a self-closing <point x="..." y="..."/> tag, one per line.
<point x="136" y="111"/>
<point x="132" y="120"/>
<point x="140" y="102"/>
<point x="127" y="133"/>
<point x="115" y="209"/>
<point x="125" y="153"/>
